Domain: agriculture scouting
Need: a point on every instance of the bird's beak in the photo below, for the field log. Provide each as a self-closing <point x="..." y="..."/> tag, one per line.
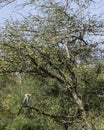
<point x="29" y="95"/>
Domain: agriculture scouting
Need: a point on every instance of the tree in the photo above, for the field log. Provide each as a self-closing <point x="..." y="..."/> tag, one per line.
<point x="51" y="45"/>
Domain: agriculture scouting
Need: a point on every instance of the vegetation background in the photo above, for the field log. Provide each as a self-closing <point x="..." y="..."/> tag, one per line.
<point x="56" y="55"/>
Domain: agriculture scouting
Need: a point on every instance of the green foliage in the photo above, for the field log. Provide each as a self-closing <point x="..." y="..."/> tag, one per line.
<point x="11" y="103"/>
<point x="23" y="123"/>
<point x="50" y="97"/>
<point x="47" y="56"/>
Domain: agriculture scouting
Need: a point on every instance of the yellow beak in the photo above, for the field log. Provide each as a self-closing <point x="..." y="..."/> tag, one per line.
<point x="29" y="95"/>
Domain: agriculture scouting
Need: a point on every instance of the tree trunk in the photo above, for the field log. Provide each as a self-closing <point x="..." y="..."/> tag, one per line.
<point x="66" y="127"/>
<point x="62" y="128"/>
<point x="81" y="106"/>
<point x="76" y="98"/>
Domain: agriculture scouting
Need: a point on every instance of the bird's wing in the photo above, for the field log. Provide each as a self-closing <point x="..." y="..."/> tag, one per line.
<point x="25" y="101"/>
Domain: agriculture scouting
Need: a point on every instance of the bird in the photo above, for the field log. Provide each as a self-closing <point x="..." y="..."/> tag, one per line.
<point x="25" y="102"/>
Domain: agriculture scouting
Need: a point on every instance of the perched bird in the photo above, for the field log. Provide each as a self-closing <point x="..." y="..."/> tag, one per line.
<point x="25" y="102"/>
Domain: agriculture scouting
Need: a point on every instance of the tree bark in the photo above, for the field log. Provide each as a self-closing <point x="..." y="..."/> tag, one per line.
<point x="79" y="102"/>
<point x="73" y="90"/>
<point x="66" y="127"/>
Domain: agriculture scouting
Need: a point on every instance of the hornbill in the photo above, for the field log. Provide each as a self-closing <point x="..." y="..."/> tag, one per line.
<point x="25" y="102"/>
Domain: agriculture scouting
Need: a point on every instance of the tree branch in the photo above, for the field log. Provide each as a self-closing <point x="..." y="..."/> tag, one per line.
<point x="46" y="71"/>
<point x="55" y="117"/>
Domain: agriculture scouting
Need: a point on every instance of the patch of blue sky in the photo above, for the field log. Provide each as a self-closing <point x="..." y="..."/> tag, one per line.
<point x="17" y="12"/>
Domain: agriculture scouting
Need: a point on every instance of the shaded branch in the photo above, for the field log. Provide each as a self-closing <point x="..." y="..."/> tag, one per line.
<point x="63" y="119"/>
<point x="46" y="71"/>
<point x="81" y="39"/>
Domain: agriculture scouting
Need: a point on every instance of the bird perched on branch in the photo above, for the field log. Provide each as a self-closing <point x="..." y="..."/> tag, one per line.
<point x="25" y="102"/>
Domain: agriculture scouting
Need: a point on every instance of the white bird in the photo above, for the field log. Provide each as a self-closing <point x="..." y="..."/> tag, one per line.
<point x="25" y="101"/>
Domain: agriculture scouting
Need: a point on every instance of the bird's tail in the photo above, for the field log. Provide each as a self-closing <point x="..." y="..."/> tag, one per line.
<point x="20" y="110"/>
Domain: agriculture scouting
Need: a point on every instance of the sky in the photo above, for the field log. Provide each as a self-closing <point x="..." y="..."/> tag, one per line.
<point x="11" y="11"/>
